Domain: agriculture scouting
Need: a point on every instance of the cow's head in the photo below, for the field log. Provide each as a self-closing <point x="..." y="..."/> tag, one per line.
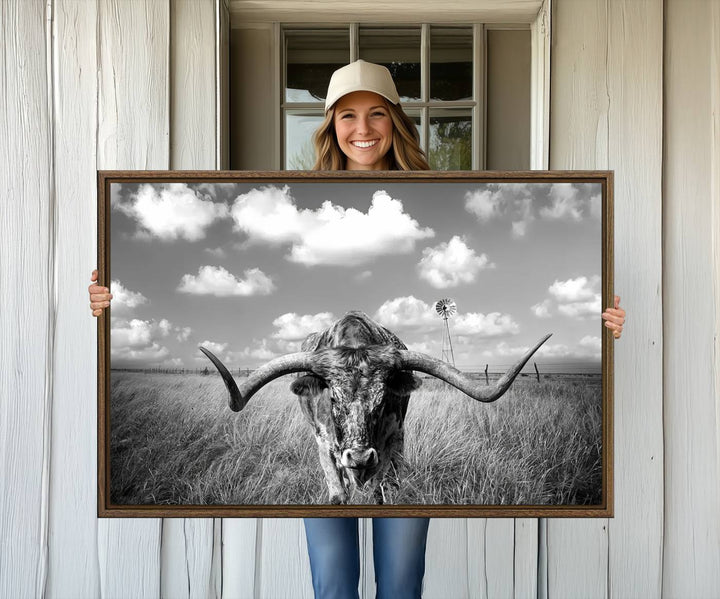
<point x="356" y="399"/>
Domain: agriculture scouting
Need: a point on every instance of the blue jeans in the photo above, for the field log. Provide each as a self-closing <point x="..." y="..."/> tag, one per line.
<point x="398" y="554"/>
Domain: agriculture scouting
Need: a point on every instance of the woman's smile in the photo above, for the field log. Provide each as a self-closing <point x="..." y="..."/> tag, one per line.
<point x="364" y="144"/>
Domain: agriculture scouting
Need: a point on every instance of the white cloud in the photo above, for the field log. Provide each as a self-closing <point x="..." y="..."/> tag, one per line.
<point x="589" y="309"/>
<point x="575" y="290"/>
<point x="293" y="327"/>
<point x="259" y="352"/>
<point x="568" y="204"/>
<point x="426" y="347"/>
<point x="331" y="234"/>
<point x="115" y="191"/>
<point x="485" y="204"/>
<point x="411" y="314"/>
<point x="183" y="333"/>
<point x="507" y="200"/>
<point x="522" y="215"/>
<point x="450" y="264"/>
<point x="407" y="313"/>
<point x="576" y="298"/>
<point x="152" y="355"/>
<point x="477" y="324"/>
<point x="124" y="300"/>
<point x="591" y="343"/>
<point x="514" y="202"/>
<point x="218" y="252"/>
<point x="171" y="211"/>
<point x="136" y="343"/>
<point x="215" y="280"/>
<point x="288" y="347"/>
<point x="542" y="310"/>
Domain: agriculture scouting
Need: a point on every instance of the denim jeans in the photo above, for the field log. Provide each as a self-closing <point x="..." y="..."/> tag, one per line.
<point x="398" y="553"/>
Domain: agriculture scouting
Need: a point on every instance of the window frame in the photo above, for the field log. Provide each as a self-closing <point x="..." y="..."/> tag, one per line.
<point x="476" y="106"/>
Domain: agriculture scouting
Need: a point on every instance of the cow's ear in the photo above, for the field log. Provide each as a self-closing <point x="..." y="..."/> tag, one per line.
<point x="308" y="385"/>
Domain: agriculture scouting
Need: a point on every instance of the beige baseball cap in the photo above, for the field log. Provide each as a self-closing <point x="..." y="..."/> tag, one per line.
<point x="361" y="76"/>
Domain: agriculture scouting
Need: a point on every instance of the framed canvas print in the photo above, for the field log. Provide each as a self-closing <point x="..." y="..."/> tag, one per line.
<point x="355" y="344"/>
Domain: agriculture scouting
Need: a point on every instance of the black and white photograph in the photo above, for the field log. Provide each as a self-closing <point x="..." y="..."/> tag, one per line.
<point x="279" y="340"/>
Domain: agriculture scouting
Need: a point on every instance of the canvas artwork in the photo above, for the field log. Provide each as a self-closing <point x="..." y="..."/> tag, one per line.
<point x="339" y="344"/>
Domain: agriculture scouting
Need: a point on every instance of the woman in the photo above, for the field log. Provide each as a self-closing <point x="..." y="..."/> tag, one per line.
<point x="365" y="129"/>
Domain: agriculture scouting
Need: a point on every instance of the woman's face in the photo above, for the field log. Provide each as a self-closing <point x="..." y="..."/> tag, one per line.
<point x="364" y="130"/>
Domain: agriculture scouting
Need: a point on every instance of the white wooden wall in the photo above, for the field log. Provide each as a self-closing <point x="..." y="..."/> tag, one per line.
<point x="635" y="87"/>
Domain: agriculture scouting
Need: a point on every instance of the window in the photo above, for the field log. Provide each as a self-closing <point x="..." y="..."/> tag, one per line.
<point x="436" y="71"/>
<point x="466" y="86"/>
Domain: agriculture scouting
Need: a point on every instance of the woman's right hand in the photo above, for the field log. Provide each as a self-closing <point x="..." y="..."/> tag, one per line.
<point x="99" y="296"/>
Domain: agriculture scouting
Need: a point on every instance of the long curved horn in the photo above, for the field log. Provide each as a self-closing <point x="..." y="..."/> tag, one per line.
<point x="413" y="360"/>
<point x="269" y="371"/>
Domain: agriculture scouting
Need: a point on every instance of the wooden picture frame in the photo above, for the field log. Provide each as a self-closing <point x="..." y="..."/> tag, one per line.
<point x="246" y="264"/>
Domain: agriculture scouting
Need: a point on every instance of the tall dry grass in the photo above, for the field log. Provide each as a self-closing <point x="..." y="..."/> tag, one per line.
<point x="175" y="441"/>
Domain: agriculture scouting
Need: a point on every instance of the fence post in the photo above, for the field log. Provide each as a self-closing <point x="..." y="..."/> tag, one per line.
<point x="487" y="380"/>
<point x="537" y="372"/>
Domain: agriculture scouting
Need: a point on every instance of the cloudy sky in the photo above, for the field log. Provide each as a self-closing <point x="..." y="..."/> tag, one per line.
<point x="248" y="270"/>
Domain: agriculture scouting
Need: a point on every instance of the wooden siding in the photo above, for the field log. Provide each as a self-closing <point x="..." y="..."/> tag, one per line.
<point x="115" y="84"/>
<point x="690" y="205"/>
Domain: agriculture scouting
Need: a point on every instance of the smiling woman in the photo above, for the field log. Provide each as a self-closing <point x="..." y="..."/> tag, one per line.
<point x="365" y="128"/>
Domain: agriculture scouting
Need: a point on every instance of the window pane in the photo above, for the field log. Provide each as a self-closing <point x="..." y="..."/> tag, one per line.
<point x="450" y="139"/>
<point x="399" y="51"/>
<point x="414" y="115"/>
<point x="299" y="149"/>
<point x="451" y="56"/>
<point x="311" y="58"/>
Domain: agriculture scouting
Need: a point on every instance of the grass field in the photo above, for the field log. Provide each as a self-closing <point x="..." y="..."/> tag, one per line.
<point x="174" y="441"/>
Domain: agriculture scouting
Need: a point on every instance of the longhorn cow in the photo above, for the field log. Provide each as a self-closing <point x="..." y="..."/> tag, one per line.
<point x="357" y="381"/>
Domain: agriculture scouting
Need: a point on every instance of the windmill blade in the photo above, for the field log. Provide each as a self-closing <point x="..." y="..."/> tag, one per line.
<point x="446" y="307"/>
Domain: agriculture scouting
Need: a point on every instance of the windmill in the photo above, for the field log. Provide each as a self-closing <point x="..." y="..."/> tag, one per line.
<point x="445" y="309"/>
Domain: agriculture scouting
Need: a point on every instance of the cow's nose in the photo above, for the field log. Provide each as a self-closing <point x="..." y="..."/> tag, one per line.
<point x="359" y="458"/>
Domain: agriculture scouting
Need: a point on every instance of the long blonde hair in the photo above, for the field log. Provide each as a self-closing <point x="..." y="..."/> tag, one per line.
<point x="405" y="153"/>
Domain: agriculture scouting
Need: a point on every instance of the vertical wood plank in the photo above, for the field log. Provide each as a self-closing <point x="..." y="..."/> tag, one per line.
<point x="239" y="558"/>
<point x="186" y="558"/>
<point x="193" y="86"/>
<point x="490" y="561"/>
<point x="635" y="49"/>
<point x="447" y="559"/>
<point x="577" y="550"/>
<point x="72" y="550"/>
<point x="284" y="570"/>
<point x="525" y="560"/>
<point x="26" y="319"/>
<point x="691" y="401"/>
<point x="133" y="132"/>
<point x="187" y="544"/>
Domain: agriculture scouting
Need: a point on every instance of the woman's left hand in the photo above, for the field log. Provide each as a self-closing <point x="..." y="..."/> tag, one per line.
<point x="615" y="318"/>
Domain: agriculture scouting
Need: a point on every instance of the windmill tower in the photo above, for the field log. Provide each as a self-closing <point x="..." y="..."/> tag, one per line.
<point x="445" y="309"/>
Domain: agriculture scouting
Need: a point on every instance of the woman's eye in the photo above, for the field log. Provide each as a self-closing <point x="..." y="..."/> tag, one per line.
<point x="346" y="116"/>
